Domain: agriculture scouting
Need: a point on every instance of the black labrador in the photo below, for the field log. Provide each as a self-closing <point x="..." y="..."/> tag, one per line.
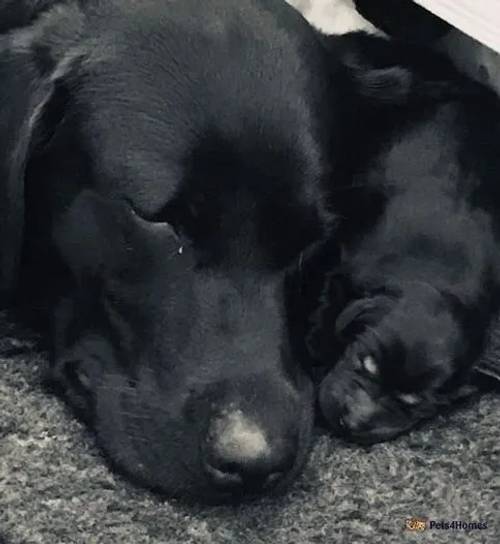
<point x="163" y="167"/>
<point x="405" y="311"/>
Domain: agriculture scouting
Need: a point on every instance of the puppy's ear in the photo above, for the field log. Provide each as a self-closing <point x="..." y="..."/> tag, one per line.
<point x="386" y="72"/>
<point x="360" y="314"/>
<point x="28" y="77"/>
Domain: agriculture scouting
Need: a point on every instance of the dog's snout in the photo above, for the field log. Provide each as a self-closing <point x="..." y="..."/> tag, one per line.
<point x="242" y="456"/>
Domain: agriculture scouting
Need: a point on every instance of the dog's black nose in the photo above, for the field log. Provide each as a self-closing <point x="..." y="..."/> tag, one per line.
<point x="241" y="456"/>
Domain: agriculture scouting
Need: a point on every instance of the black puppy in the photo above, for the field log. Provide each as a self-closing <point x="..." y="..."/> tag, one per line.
<point x="418" y="281"/>
<point x="165" y="164"/>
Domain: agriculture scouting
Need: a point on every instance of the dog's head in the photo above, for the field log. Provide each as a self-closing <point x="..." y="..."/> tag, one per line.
<point x="405" y="359"/>
<point x="174" y="162"/>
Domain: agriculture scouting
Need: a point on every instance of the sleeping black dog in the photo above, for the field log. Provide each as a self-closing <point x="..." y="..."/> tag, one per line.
<point x="163" y="167"/>
<point x="406" y="309"/>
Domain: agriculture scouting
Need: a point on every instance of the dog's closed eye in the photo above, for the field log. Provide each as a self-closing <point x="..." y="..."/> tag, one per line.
<point x="161" y="226"/>
<point x="155" y="221"/>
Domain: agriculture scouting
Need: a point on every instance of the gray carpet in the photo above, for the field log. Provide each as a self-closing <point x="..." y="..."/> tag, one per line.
<point x="55" y="488"/>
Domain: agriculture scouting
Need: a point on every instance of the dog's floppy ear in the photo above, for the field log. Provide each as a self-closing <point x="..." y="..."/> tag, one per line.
<point x="23" y="94"/>
<point x="27" y="84"/>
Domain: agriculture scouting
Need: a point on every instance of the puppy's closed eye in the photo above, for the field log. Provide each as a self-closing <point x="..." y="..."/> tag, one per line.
<point x="409" y="399"/>
<point x="370" y="365"/>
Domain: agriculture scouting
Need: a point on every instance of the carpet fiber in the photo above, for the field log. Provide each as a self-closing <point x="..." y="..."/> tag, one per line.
<point x="55" y="487"/>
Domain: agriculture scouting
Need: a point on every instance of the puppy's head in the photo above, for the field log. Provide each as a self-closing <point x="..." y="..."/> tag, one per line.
<point x="404" y="360"/>
<point x="174" y="162"/>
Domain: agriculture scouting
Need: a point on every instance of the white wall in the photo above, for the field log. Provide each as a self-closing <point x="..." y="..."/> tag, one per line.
<point x="477" y="18"/>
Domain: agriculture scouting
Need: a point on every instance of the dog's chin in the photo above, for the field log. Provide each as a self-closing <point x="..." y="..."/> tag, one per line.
<point x="160" y="452"/>
<point x="185" y="480"/>
<point x="205" y="494"/>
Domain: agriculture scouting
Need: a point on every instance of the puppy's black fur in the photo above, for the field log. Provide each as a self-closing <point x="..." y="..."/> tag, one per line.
<point x="403" y="19"/>
<point x="418" y="279"/>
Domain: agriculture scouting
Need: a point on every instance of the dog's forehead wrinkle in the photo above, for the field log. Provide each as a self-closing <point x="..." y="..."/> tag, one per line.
<point x="146" y="179"/>
<point x="154" y="182"/>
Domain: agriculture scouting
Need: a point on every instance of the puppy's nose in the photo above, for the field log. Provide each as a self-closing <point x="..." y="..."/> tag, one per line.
<point x="241" y="456"/>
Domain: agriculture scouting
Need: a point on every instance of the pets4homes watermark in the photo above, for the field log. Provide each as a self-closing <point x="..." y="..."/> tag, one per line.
<point x="417" y="525"/>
